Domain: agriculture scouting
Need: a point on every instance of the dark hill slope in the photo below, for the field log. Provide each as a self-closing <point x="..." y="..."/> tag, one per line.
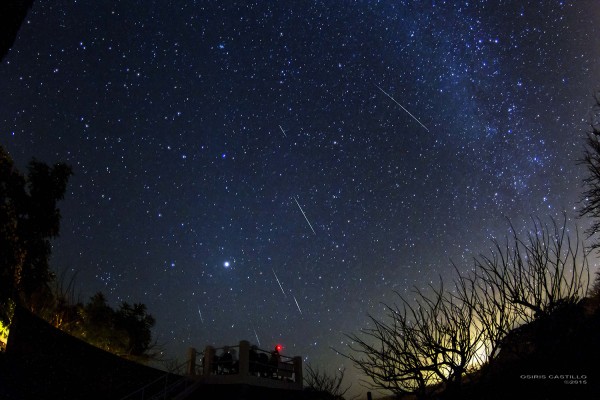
<point x="43" y="362"/>
<point x="556" y="356"/>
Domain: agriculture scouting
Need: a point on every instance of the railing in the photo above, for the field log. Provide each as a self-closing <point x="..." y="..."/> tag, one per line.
<point x="224" y="361"/>
<point x="164" y="386"/>
<point x="247" y="364"/>
<point x="225" y="365"/>
<point x="271" y="365"/>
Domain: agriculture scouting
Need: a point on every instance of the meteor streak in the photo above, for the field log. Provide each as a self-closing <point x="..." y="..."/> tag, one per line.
<point x="282" y="131"/>
<point x="297" y="305"/>
<point x="200" y="314"/>
<point x="257" y="339"/>
<point x="311" y="228"/>
<point x="401" y="106"/>
<point x="280" y="287"/>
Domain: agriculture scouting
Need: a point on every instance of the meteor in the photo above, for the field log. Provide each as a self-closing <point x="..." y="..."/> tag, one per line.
<point x="257" y="339"/>
<point x="200" y="314"/>
<point x="282" y="131"/>
<point x="297" y="305"/>
<point x="280" y="287"/>
<point x="401" y="106"/>
<point x="304" y="215"/>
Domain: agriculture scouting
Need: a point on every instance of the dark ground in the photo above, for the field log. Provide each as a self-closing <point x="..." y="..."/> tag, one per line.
<point x="42" y="362"/>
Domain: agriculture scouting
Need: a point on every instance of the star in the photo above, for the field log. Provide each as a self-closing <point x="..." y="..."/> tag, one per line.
<point x="351" y="158"/>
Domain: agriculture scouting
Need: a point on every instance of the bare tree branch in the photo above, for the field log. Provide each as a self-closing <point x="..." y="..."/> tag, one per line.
<point x="538" y="274"/>
<point x="322" y="382"/>
<point x="426" y="344"/>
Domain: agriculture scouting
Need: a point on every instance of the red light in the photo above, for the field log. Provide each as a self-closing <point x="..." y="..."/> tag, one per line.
<point x="278" y="348"/>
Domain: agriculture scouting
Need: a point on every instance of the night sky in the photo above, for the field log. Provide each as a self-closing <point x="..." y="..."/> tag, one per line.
<point x="344" y="149"/>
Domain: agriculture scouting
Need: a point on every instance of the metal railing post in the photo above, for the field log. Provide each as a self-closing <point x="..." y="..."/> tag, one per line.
<point x="298" y="377"/>
<point x="244" y="369"/>
<point x="191" y="369"/>
<point x="209" y="357"/>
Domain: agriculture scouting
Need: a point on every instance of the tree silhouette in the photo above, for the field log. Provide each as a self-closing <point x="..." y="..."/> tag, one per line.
<point x="323" y="385"/>
<point x="29" y="219"/>
<point x="432" y="340"/>
<point x="591" y="159"/>
<point x="494" y="316"/>
<point x="63" y="309"/>
<point x="539" y="274"/>
<point x="97" y="325"/>
<point x="126" y="331"/>
<point x="136" y="323"/>
<point x="426" y="343"/>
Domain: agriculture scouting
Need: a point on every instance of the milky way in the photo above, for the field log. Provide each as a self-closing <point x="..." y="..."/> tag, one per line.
<point x="285" y="167"/>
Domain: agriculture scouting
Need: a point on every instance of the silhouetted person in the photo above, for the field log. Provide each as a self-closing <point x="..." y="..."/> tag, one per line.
<point x="263" y="364"/>
<point x="215" y="364"/>
<point x="226" y="361"/>
<point x="274" y="362"/>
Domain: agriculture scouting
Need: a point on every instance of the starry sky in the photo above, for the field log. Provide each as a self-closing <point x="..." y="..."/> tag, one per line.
<point x="272" y="171"/>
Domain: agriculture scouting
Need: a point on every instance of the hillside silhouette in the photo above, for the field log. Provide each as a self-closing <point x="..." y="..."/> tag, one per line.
<point x="553" y="357"/>
<point x="43" y="362"/>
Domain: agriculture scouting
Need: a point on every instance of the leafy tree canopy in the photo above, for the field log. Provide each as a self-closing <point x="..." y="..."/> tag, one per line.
<point x="124" y="331"/>
<point x="29" y="219"/>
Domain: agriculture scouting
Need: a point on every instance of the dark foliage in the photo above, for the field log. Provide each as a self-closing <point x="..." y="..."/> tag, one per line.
<point x="136" y="323"/>
<point x="125" y="331"/>
<point x="29" y="219"/>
